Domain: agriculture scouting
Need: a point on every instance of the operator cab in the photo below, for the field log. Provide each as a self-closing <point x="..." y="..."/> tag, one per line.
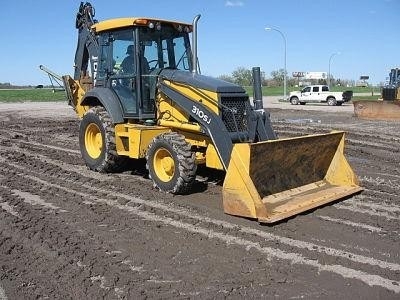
<point x="132" y="56"/>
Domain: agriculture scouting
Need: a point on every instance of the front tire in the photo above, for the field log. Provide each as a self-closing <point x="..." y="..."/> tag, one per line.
<point x="97" y="141"/>
<point x="171" y="163"/>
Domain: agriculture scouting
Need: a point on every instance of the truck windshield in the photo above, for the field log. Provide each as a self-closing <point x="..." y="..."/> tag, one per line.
<point x="165" y="48"/>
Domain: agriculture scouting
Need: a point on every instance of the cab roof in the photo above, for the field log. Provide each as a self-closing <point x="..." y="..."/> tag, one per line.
<point x="126" y="22"/>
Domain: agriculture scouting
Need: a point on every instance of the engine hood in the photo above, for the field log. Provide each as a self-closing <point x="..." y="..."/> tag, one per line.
<point x="201" y="81"/>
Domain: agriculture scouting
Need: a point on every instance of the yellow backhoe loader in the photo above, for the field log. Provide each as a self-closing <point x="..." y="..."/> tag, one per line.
<point x="387" y="108"/>
<point x="144" y="97"/>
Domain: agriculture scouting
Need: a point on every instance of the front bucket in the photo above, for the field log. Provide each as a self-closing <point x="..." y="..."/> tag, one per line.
<point x="377" y="110"/>
<point x="276" y="179"/>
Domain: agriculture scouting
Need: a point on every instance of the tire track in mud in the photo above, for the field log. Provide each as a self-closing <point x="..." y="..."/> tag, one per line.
<point x="270" y="252"/>
<point x="274" y="253"/>
<point x="44" y="146"/>
<point x="362" y="130"/>
<point x="2" y="294"/>
<point x="295" y="133"/>
<point x="350" y="205"/>
<point x="74" y="151"/>
<point x="87" y="173"/>
<point x="68" y="166"/>
<point x="354" y="140"/>
<point x="373" y="209"/>
<point x="360" y="201"/>
<point x="354" y="224"/>
<point x="54" y="255"/>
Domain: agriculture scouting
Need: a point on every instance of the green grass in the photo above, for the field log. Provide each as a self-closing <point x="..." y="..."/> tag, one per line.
<point x="267" y="91"/>
<point x="46" y="95"/>
<point x="375" y="97"/>
<point x="27" y="95"/>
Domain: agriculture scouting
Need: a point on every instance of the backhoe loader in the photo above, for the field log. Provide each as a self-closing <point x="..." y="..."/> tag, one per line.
<point x="387" y="108"/>
<point x="156" y="105"/>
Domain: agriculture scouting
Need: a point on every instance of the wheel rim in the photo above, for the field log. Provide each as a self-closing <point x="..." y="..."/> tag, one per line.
<point x="93" y="140"/>
<point x="164" y="165"/>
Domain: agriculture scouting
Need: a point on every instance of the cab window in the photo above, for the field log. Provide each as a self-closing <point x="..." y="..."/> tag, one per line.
<point x="123" y="52"/>
<point x="166" y="48"/>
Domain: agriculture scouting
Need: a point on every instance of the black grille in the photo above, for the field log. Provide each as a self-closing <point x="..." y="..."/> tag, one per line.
<point x="234" y="113"/>
<point x="388" y="93"/>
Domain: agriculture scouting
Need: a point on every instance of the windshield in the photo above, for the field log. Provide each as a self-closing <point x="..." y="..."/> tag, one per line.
<point x="165" y="48"/>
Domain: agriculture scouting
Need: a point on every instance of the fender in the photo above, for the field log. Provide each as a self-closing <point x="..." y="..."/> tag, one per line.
<point x="331" y="96"/>
<point x="108" y="99"/>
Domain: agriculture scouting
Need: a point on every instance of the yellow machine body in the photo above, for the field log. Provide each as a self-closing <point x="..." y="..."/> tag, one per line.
<point x="191" y="122"/>
<point x="132" y="140"/>
<point x="268" y="181"/>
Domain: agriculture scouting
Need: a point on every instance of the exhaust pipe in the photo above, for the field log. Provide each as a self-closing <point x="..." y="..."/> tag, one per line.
<point x="268" y="132"/>
<point x="257" y="91"/>
<point x="194" y="44"/>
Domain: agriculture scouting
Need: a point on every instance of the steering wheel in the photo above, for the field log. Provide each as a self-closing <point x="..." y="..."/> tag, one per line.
<point x="155" y="61"/>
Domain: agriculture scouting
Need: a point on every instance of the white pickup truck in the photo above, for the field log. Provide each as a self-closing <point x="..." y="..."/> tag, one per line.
<point x="319" y="93"/>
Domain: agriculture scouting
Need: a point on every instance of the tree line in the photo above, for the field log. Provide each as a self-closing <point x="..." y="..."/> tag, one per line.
<point x="8" y="85"/>
<point x="243" y="76"/>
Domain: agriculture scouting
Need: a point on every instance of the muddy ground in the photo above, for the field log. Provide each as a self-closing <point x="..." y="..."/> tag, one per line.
<point x="69" y="233"/>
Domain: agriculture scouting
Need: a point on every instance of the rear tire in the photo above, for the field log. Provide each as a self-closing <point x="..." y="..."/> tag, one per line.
<point x="294" y="100"/>
<point x="97" y="141"/>
<point x="331" y="101"/>
<point x="171" y="163"/>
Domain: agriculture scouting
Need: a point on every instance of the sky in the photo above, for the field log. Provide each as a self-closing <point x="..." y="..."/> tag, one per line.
<point x="352" y="37"/>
